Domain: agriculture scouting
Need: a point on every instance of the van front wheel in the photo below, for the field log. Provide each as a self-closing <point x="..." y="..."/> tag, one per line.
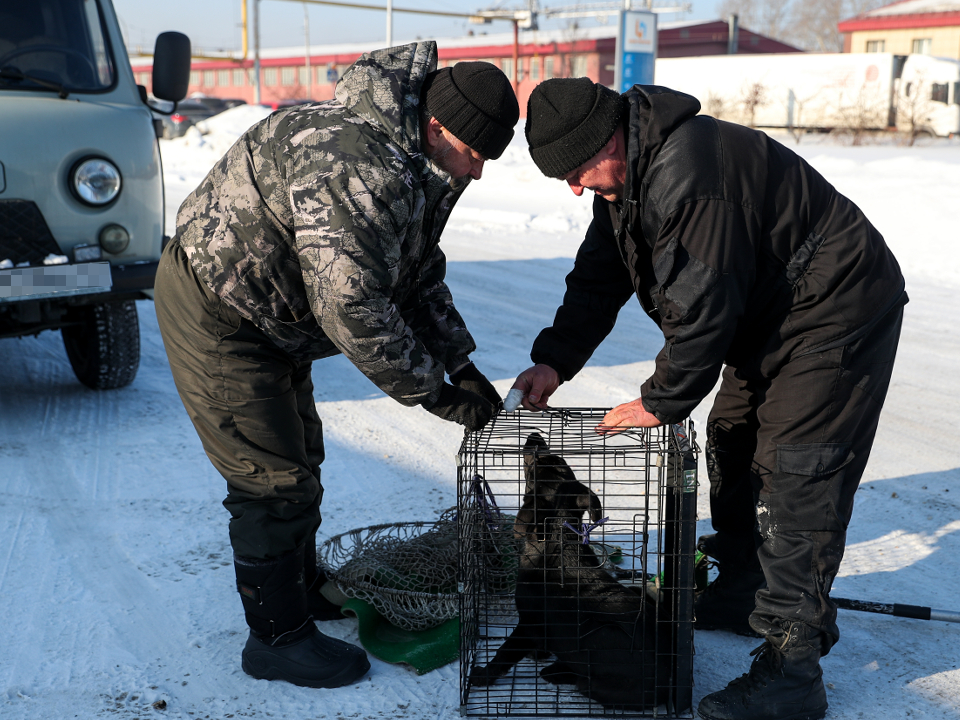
<point x="103" y="344"/>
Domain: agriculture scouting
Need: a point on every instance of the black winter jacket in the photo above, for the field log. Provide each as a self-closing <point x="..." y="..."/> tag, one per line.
<point x="739" y="250"/>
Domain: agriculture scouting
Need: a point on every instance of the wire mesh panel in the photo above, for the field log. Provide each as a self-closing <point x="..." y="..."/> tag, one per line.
<point x="576" y="567"/>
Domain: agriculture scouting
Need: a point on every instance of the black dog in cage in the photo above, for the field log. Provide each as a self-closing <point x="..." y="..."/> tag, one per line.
<point x="603" y="634"/>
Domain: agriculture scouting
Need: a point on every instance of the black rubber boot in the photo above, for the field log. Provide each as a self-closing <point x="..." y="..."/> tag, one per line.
<point x="727" y="602"/>
<point x="284" y="644"/>
<point x="314" y="578"/>
<point x="785" y="682"/>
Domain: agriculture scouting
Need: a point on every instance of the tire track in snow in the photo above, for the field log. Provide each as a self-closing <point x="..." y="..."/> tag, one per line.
<point x="128" y="631"/>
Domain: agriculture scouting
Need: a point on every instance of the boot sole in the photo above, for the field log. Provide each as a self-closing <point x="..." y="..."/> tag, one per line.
<point x="815" y="715"/>
<point x="348" y="675"/>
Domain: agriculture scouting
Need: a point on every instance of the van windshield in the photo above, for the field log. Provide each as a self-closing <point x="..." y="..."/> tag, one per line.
<point x="45" y="43"/>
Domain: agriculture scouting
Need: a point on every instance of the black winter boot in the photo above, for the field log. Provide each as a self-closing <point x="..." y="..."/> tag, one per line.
<point x="785" y="682"/>
<point x="314" y="578"/>
<point x="727" y="602"/>
<point x="284" y="644"/>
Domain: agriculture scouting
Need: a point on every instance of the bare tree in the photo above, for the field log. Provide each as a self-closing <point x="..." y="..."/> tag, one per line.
<point x="807" y="24"/>
<point x="753" y="97"/>
<point x="715" y="105"/>
<point x="861" y="115"/>
<point x="770" y="18"/>
<point x="815" y="25"/>
<point x="913" y="111"/>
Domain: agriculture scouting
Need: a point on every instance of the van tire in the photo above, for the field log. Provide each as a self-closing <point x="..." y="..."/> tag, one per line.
<point x="103" y="344"/>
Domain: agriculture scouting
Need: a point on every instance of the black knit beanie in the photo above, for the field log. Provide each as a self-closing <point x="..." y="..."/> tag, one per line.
<point x="474" y="101"/>
<point x="569" y="120"/>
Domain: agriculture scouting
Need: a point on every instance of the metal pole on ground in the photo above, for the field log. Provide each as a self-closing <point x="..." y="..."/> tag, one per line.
<point x="909" y="611"/>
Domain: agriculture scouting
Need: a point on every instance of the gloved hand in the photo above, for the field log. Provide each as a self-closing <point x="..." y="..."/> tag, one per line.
<point x="462" y="406"/>
<point x="469" y="378"/>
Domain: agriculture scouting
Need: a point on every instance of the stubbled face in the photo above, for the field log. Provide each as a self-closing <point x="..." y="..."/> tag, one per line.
<point x="603" y="173"/>
<point x="457" y="158"/>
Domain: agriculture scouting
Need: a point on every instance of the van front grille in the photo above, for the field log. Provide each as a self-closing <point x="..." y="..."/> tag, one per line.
<point x="24" y="235"/>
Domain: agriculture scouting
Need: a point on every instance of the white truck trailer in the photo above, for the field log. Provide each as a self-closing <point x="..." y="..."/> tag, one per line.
<point x="915" y="94"/>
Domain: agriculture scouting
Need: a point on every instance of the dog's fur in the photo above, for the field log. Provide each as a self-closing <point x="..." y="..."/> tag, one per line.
<point x="602" y="633"/>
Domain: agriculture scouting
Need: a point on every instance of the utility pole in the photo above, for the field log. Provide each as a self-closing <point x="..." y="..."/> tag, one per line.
<point x="389" y="23"/>
<point x="256" y="51"/>
<point x="306" y="51"/>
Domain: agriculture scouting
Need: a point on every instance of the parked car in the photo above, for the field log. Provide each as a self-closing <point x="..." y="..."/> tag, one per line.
<point x="188" y="113"/>
<point x="289" y="102"/>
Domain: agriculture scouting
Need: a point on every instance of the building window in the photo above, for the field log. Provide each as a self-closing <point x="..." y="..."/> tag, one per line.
<point x="303" y="77"/>
<point x="520" y="69"/>
<point x="238" y="79"/>
<point x="548" y="73"/>
<point x="921" y="46"/>
<point x="507" y="67"/>
<point x="535" y="69"/>
<point x="270" y="76"/>
<point x="286" y="76"/>
<point x="876" y="45"/>
<point x="578" y="66"/>
<point x="208" y="78"/>
<point x="194" y="78"/>
<point x="223" y="78"/>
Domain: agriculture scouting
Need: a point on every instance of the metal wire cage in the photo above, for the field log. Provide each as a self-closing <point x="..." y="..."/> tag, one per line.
<point x="576" y="554"/>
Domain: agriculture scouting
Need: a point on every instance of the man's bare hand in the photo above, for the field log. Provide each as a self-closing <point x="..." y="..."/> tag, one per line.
<point x="537" y="385"/>
<point x="628" y="415"/>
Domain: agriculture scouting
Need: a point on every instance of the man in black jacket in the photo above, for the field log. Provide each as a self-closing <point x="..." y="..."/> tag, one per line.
<point x="755" y="267"/>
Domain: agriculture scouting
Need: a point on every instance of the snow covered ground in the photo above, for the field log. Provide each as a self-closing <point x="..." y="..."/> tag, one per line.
<point x="116" y="585"/>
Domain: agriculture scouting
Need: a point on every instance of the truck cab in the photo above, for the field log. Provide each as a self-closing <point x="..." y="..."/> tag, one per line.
<point x="81" y="184"/>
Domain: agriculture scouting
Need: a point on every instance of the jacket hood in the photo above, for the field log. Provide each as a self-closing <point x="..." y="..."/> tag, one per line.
<point x="383" y="88"/>
<point x="653" y="113"/>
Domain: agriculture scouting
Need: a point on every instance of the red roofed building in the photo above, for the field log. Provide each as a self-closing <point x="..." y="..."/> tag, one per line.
<point x="926" y="27"/>
<point x="541" y="55"/>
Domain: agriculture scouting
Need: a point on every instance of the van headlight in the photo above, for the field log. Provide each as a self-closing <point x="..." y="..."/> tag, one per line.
<point x="95" y="181"/>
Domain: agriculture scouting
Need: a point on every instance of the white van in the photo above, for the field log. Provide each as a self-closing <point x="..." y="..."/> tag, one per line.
<point x="81" y="185"/>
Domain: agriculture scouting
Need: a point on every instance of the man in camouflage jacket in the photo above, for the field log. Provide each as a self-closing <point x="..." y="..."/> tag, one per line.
<point x="317" y="234"/>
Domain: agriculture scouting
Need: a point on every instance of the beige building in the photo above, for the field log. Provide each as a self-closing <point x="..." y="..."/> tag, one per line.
<point x="925" y="27"/>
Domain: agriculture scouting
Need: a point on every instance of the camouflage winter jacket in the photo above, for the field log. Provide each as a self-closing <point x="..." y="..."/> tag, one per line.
<point x="321" y="225"/>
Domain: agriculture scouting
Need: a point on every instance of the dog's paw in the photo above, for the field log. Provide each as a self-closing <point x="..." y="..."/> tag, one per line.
<point x="560" y="673"/>
<point x="483" y="676"/>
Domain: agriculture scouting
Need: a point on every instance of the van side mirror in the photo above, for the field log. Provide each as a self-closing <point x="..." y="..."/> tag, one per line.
<point x="171" y="66"/>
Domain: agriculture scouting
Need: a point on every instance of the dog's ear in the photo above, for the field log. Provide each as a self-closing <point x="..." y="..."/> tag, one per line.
<point x="533" y="449"/>
<point x="589" y="501"/>
<point x="534" y="440"/>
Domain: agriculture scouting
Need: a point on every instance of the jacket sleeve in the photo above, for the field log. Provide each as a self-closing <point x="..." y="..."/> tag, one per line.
<point x="597" y="287"/>
<point x="350" y="226"/>
<point x="704" y="266"/>
<point x="434" y="318"/>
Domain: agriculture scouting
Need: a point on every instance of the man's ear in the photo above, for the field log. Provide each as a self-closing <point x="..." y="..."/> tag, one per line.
<point x="612" y="145"/>
<point x="433" y="131"/>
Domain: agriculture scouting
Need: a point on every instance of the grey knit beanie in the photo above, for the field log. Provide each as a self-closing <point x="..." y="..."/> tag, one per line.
<point x="475" y="101"/>
<point x="569" y="120"/>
